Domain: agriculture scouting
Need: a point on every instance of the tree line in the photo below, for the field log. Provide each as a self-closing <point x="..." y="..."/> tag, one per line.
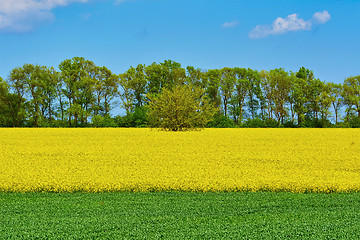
<point x="82" y="94"/>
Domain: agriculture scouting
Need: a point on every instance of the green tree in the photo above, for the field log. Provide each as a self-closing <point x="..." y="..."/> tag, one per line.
<point x="126" y="92"/>
<point x="110" y="87"/>
<point x="280" y="85"/>
<point x="40" y="88"/>
<point x="139" y="85"/>
<point x="268" y="104"/>
<point x="180" y="108"/>
<point x="156" y="78"/>
<point x="60" y="98"/>
<point x="325" y="101"/>
<point x="49" y="81"/>
<point x="291" y="97"/>
<point x="164" y="75"/>
<point x="17" y="100"/>
<point x="314" y="89"/>
<point x="351" y="94"/>
<point x="255" y="93"/>
<point x="72" y="71"/>
<point x="11" y="114"/>
<point x="336" y="98"/>
<point x="242" y="88"/>
<point x="227" y="83"/>
<point x="196" y="77"/>
<point x="78" y="75"/>
<point x="86" y="91"/>
<point x="174" y="73"/>
<point x="212" y="91"/>
<point x="4" y="108"/>
<point x="134" y="86"/>
<point x="300" y="92"/>
<point x="105" y="89"/>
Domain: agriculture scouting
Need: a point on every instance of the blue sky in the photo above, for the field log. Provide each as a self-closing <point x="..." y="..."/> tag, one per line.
<point x="322" y="35"/>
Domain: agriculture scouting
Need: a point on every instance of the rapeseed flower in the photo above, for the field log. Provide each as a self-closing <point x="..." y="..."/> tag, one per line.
<point x="103" y="160"/>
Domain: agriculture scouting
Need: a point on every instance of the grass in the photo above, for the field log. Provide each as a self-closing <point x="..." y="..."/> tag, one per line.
<point x="179" y="215"/>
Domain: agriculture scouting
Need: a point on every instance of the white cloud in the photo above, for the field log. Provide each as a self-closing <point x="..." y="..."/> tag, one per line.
<point x="321" y="17"/>
<point x="230" y="24"/>
<point x="289" y="24"/>
<point x="23" y="21"/>
<point x="12" y="6"/>
<point x="23" y="15"/>
<point x="281" y="25"/>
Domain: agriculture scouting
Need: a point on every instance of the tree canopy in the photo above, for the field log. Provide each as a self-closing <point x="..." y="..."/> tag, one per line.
<point x="182" y="107"/>
<point x="81" y="94"/>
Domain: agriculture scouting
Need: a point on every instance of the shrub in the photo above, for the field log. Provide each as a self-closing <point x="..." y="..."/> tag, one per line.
<point x="180" y="108"/>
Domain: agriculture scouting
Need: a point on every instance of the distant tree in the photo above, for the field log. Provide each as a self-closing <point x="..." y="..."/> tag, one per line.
<point x="86" y="90"/>
<point x="164" y="75"/>
<point x="60" y="98"/>
<point x="4" y="108"/>
<point x="255" y="93"/>
<point x="300" y="92"/>
<point x="17" y="100"/>
<point x="71" y="74"/>
<point x="78" y="75"/>
<point x="180" y="108"/>
<point x="156" y="78"/>
<point x="110" y="86"/>
<point x="280" y="85"/>
<point x="98" y="93"/>
<point x="175" y="74"/>
<point x="292" y="99"/>
<point x="325" y="100"/>
<point x="133" y="83"/>
<point x="32" y="75"/>
<point x="49" y="81"/>
<point x="37" y="84"/>
<point x="336" y="98"/>
<point x="40" y="88"/>
<point x="268" y="104"/>
<point x="314" y="90"/>
<point x="11" y="113"/>
<point x="212" y="91"/>
<point x="17" y="81"/>
<point x="126" y="92"/>
<point x="105" y="89"/>
<point x="36" y="96"/>
<point x="242" y="88"/>
<point x="196" y="77"/>
<point x="351" y="94"/>
<point x="139" y="85"/>
<point x="227" y="83"/>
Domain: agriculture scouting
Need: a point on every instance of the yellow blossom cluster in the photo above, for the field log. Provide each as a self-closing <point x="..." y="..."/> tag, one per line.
<point x="101" y="160"/>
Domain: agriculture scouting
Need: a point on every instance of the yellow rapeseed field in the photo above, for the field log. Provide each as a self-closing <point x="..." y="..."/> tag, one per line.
<point x="100" y="160"/>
